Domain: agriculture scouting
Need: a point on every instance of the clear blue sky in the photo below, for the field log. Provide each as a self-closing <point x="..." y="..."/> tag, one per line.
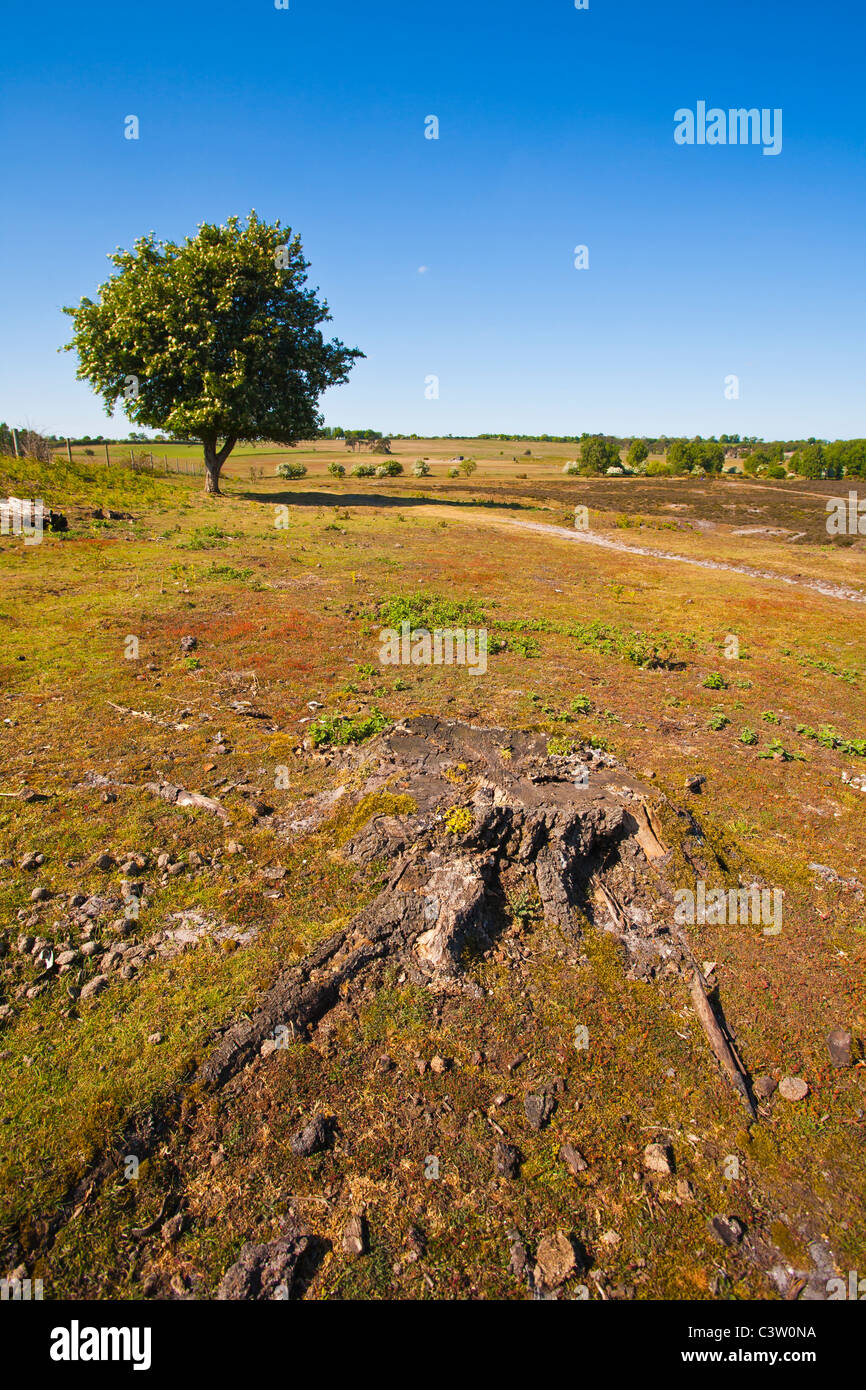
<point x="556" y="129"/>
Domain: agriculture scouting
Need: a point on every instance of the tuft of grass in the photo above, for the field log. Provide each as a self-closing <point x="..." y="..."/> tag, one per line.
<point x="458" y="820"/>
<point x="227" y="572"/>
<point x="207" y="538"/>
<point x="340" y="729"/>
<point x="428" y="610"/>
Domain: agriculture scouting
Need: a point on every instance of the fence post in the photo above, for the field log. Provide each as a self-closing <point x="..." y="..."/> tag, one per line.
<point x="69" y="451"/>
<point x="105" y="446"/>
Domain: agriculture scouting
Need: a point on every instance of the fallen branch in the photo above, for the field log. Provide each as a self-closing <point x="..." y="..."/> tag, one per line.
<point x="720" y="1044"/>
<point x="151" y="718"/>
<point x="179" y="797"/>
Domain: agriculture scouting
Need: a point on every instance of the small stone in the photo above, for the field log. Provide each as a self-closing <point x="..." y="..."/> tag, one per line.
<point x="90" y="948"/>
<point x="234" y="848"/>
<point x="40" y="895"/>
<point x="384" y="1064"/>
<point x="268" y="1046"/>
<point x="154" y="1039"/>
<point x="6" y="1012"/>
<point x="420" y="1065"/>
<point x="506" y="1161"/>
<point x="764" y="1087"/>
<point x="265" y="1272"/>
<point x="793" y="1088"/>
<point x="539" y="1107"/>
<point x="25" y="945"/>
<point x="355" y="1236"/>
<point x="188" y="644"/>
<point x="172" y="1229"/>
<point x="727" y="1229"/>
<point x="438" y="1065"/>
<point x="517" y="1263"/>
<point x="516" y="1062"/>
<point x="573" y="1159"/>
<point x="555" y="1260"/>
<point x="658" y="1158"/>
<point x="67" y="958"/>
<point x="839" y="1047"/>
<point x="32" y="861"/>
<point x="685" y="1191"/>
<point x="694" y="784"/>
<point x="106" y="862"/>
<point x="94" y="986"/>
<point x="312" y="1139"/>
<point x="163" y="861"/>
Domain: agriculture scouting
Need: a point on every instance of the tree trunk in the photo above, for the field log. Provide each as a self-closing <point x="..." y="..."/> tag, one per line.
<point x="214" y="459"/>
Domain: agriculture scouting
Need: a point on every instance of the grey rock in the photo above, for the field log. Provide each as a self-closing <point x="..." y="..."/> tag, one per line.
<point x="265" y="1271"/>
<point x="172" y="1229"/>
<point x="312" y="1139"/>
<point x="355" y="1236"/>
<point x="839" y="1047"/>
<point x="573" y="1159"/>
<point x="727" y="1229"/>
<point x="658" y="1158"/>
<point x="793" y="1088"/>
<point x="555" y="1260"/>
<point x="507" y="1160"/>
<point x="518" y="1261"/>
<point x="539" y="1106"/>
<point x="764" y="1087"/>
<point x="94" y="986"/>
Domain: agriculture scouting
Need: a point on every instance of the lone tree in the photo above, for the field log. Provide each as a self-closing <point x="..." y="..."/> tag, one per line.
<point x="216" y="339"/>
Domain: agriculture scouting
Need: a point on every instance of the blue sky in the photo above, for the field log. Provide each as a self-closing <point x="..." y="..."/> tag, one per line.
<point x="556" y="129"/>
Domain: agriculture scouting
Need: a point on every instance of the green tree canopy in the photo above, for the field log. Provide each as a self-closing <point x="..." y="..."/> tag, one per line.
<point x="216" y="339"/>
<point x="707" y="454"/>
<point x="598" y="454"/>
<point x="638" y="451"/>
<point x="809" y="461"/>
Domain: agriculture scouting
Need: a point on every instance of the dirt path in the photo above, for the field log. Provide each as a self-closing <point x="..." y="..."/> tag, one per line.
<point x="818" y="586"/>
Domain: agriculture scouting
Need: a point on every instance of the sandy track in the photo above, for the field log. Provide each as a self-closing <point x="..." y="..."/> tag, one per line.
<point x="818" y="586"/>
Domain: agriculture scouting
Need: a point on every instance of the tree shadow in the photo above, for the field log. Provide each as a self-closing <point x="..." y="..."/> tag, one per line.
<point x="374" y="499"/>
